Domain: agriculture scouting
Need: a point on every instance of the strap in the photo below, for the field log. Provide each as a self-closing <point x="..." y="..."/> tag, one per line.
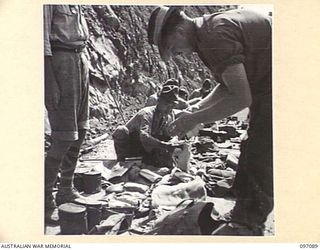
<point x="189" y="205"/>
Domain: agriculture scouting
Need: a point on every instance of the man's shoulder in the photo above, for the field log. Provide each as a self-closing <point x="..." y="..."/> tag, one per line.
<point x="209" y="22"/>
<point x="230" y="18"/>
<point x="58" y="7"/>
<point x="153" y="97"/>
<point x="207" y="25"/>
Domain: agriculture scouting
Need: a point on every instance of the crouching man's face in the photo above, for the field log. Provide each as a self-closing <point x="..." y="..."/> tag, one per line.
<point x="168" y="96"/>
<point x="166" y="107"/>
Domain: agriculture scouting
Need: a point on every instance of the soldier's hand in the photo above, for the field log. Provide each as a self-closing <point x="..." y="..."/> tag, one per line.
<point x="182" y="124"/>
<point x="193" y="108"/>
<point x="171" y="147"/>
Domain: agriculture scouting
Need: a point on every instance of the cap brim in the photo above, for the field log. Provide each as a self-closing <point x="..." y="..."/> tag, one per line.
<point x="164" y="52"/>
<point x="174" y="101"/>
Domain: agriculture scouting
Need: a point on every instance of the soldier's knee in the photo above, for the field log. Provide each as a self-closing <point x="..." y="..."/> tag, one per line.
<point x="120" y="133"/>
<point x="59" y="148"/>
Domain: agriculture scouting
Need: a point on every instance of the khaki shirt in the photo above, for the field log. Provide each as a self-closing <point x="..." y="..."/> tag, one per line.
<point x="233" y="37"/>
<point x="64" y="24"/>
<point x="150" y="126"/>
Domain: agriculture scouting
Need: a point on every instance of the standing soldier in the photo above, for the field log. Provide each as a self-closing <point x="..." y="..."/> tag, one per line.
<point x="66" y="97"/>
<point x="236" y="46"/>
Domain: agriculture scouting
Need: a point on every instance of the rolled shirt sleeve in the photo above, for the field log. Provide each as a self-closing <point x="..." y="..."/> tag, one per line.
<point x="223" y="49"/>
<point x="219" y="42"/>
<point x="228" y="51"/>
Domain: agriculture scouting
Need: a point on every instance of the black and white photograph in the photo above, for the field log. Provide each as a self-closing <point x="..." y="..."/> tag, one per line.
<point x="158" y="120"/>
<point x="157" y="125"/>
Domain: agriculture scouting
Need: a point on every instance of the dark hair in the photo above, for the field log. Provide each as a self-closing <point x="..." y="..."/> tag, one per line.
<point x="171" y="81"/>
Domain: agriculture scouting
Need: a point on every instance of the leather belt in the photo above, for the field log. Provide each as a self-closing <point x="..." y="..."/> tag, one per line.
<point x="72" y="50"/>
<point x="59" y="46"/>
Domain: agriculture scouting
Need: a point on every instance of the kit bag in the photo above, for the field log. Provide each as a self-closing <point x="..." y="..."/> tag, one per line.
<point x="189" y="218"/>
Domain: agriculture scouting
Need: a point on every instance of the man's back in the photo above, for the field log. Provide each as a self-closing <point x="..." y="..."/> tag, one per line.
<point x="237" y="36"/>
<point x="144" y="114"/>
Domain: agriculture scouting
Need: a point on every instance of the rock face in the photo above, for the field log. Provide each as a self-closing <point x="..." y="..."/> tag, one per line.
<point x="124" y="68"/>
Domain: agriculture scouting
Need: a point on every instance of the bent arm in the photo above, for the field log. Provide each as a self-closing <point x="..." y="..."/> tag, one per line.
<point x="51" y="87"/>
<point x="47" y="20"/>
<point x="194" y="100"/>
<point x="149" y="142"/>
<point x="227" y="99"/>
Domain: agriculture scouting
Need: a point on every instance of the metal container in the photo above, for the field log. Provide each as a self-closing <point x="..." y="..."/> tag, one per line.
<point x="78" y="178"/>
<point x="92" y="182"/>
<point x="73" y="219"/>
<point x="94" y="209"/>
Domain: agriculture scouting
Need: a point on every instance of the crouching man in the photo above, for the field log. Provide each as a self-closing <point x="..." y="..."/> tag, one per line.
<point x="146" y="134"/>
<point x="182" y="97"/>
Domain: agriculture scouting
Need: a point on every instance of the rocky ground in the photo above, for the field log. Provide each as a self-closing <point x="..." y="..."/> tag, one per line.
<point x="213" y="161"/>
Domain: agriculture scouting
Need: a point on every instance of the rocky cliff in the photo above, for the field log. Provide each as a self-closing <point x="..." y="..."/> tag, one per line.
<point x="124" y="68"/>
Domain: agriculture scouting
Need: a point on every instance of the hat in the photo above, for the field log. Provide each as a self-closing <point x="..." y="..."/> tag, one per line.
<point x="171" y="81"/>
<point x="157" y="22"/>
<point x="169" y="93"/>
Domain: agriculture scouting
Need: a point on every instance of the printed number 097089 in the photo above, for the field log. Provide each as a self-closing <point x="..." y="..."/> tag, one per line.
<point x="308" y="245"/>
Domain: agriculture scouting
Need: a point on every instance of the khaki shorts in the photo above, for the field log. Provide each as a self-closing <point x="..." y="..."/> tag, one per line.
<point x="72" y="114"/>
